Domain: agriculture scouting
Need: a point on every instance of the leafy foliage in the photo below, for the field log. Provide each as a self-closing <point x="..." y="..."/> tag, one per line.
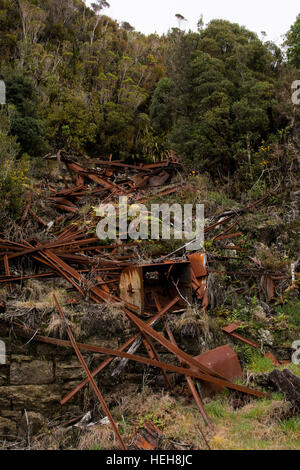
<point x="219" y="100"/>
<point x="14" y="179"/>
<point x="293" y="43"/>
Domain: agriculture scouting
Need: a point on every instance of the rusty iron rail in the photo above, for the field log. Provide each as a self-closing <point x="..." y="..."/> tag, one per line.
<point x="143" y="360"/>
<point x="89" y="376"/>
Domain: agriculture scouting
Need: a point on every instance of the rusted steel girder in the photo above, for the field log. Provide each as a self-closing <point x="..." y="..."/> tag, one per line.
<point x="191" y="385"/>
<point x="192" y="362"/>
<point x="143" y="360"/>
<point x="104" y="364"/>
<point x="170" y="347"/>
<point x="230" y="330"/>
<point x="189" y="380"/>
<point x="89" y="376"/>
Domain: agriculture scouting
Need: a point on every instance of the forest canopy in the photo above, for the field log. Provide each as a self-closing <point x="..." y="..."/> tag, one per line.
<point x="79" y="82"/>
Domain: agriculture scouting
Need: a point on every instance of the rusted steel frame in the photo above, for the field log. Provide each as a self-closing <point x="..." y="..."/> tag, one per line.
<point x="236" y="248"/>
<point x="170" y="347"/>
<point x="52" y="245"/>
<point x="145" y="360"/>
<point x="95" y="293"/>
<point x="164" y="164"/>
<point x="15" y="248"/>
<point x="137" y="342"/>
<point x="166" y="192"/>
<point x="221" y="222"/>
<point x="65" y="233"/>
<point x="93" y="175"/>
<point x="71" y="234"/>
<point x="113" y="193"/>
<point x="230" y="330"/>
<point x="89" y="241"/>
<point x="191" y="385"/>
<point x="100" y="249"/>
<point x="36" y="249"/>
<point x="189" y="380"/>
<point x="153" y="321"/>
<point x="45" y="275"/>
<point x="63" y="274"/>
<point x="85" y="260"/>
<point x="14" y="244"/>
<point x="104" y="283"/>
<point x="61" y="267"/>
<point x="99" y="294"/>
<point x="89" y="376"/>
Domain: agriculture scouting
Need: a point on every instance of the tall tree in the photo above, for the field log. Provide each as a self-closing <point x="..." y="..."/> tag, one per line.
<point x="293" y="43"/>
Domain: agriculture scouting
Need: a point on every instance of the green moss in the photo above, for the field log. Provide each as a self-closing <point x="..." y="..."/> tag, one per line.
<point x="291" y="310"/>
<point x="260" y="364"/>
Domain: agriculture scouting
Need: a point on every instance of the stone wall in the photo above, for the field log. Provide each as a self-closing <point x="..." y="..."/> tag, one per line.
<point x="34" y="378"/>
<point x="37" y="376"/>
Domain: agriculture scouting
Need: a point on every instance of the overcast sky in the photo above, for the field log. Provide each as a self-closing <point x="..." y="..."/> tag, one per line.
<point x="149" y="16"/>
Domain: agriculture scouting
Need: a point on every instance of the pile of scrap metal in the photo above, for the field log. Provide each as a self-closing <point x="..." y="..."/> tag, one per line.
<point x="146" y="293"/>
<point x="112" y="179"/>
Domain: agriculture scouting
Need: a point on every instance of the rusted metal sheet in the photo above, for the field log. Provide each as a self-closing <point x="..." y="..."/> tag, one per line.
<point x="223" y="360"/>
<point x="199" y="274"/>
<point x="198" y="263"/>
<point x="149" y="437"/>
<point x="139" y="282"/>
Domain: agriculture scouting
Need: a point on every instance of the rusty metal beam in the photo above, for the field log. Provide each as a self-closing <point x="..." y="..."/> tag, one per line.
<point x="169" y="346"/>
<point x="189" y="380"/>
<point x="143" y="360"/>
<point x="191" y="385"/>
<point x="230" y="330"/>
<point x="89" y="376"/>
<point x="153" y="321"/>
